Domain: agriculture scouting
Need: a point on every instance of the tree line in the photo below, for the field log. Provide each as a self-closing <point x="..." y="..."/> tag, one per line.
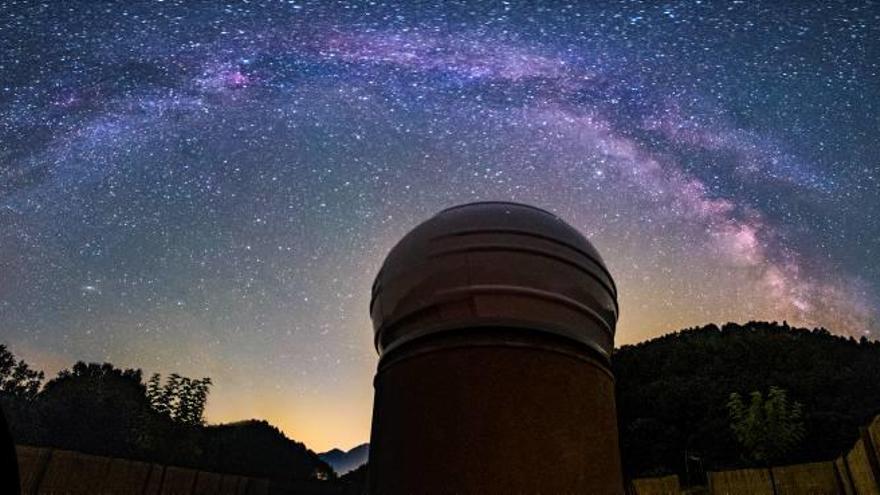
<point x="706" y="398"/>
<point x="103" y="410"/>
<point x="713" y="398"/>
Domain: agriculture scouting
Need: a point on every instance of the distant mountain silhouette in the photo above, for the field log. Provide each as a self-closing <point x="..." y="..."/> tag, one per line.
<point x="343" y="462"/>
<point x="259" y="449"/>
<point x="672" y="392"/>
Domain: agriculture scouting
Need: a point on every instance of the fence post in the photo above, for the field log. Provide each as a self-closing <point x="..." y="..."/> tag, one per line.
<point x="772" y="480"/>
<point x="842" y="475"/>
<point x="871" y="452"/>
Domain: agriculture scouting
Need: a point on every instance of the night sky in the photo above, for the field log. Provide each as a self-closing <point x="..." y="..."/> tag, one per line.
<point x="210" y="188"/>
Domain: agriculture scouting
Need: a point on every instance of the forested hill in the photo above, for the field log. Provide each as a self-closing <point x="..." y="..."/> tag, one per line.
<point x="672" y="391"/>
<point x="103" y="410"/>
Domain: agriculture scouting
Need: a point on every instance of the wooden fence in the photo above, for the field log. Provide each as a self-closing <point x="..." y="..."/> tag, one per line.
<point x="854" y="473"/>
<point x="51" y="471"/>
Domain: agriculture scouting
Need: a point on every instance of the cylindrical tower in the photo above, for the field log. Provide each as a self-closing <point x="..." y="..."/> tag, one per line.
<point x="494" y="324"/>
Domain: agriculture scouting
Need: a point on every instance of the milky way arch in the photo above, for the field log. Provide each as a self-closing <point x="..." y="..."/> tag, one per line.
<point x="210" y="189"/>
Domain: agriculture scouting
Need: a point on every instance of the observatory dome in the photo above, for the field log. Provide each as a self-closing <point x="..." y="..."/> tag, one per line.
<point x="494" y="265"/>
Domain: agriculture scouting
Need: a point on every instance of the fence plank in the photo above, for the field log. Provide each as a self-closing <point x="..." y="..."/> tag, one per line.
<point x="32" y="462"/>
<point x="816" y="478"/>
<point x="871" y="436"/>
<point x="178" y="481"/>
<point x="208" y="483"/>
<point x="860" y="470"/>
<point x="124" y="477"/>
<point x="242" y="487"/>
<point x="153" y="484"/>
<point x="73" y="473"/>
<point x="666" y="485"/>
<point x="257" y="486"/>
<point x="229" y="484"/>
<point x="741" y="482"/>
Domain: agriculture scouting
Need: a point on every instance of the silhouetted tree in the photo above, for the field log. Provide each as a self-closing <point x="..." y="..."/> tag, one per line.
<point x="17" y="379"/>
<point x="768" y="428"/>
<point x="181" y="398"/>
<point x="100" y="409"/>
<point x="104" y="410"/>
<point x="19" y="386"/>
<point x="155" y="394"/>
